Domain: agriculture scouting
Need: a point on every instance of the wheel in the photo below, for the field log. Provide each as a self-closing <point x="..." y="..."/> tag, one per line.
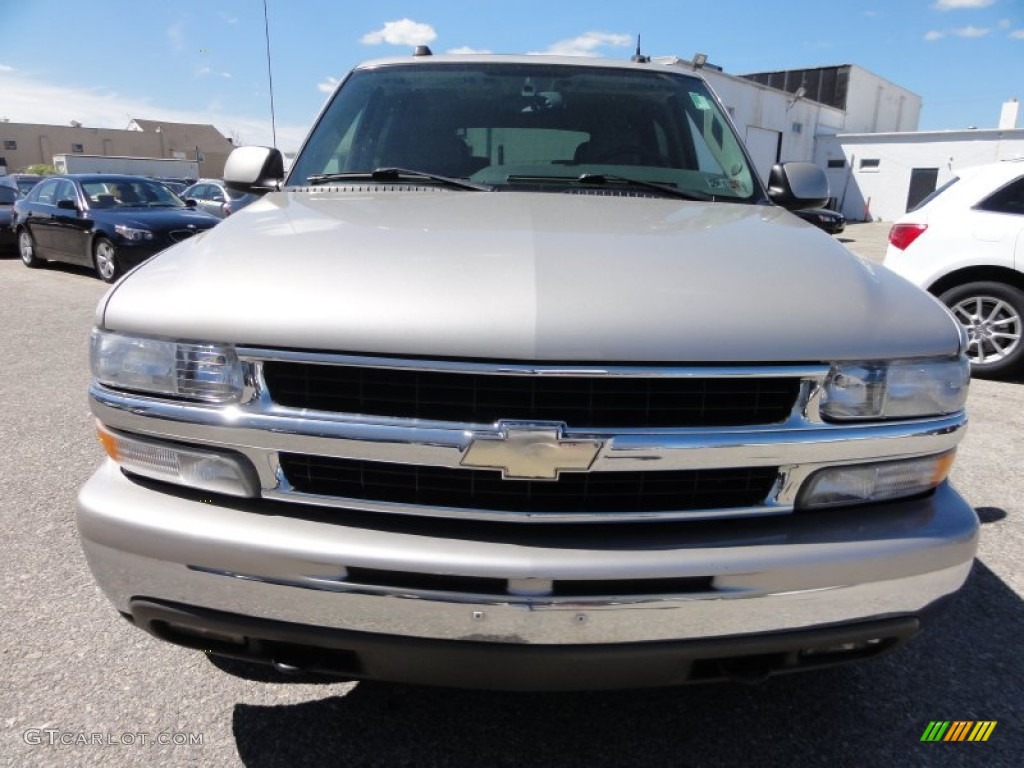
<point x="27" y="249"/>
<point x="993" y="315"/>
<point x="104" y="257"/>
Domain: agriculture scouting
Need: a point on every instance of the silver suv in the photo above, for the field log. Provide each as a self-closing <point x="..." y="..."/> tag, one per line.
<point x="521" y="379"/>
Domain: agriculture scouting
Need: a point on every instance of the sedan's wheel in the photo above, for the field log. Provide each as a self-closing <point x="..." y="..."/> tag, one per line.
<point x="104" y="257"/>
<point x="993" y="316"/>
<point x="27" y="249"/>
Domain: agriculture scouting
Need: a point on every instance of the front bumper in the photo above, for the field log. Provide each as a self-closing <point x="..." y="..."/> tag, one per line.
<point x="605" y="588"/>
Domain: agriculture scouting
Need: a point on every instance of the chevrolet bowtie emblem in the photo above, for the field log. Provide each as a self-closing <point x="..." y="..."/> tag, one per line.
<point x="530" y="452"/>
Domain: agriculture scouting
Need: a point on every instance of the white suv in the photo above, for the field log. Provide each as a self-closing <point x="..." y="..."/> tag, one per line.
<point x="965" y="245"/>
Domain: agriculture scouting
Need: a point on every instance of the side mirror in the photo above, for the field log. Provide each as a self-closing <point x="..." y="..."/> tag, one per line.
<point x="798" y="185"/>
<point x="191" y="202"/>
<point x="254" y="169"/>
<point x="67" y="205"/>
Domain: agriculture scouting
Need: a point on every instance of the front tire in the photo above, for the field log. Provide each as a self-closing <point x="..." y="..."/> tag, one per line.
<point x="27" y="250"/>
<point x="104" y="258"/>
<point x="993" y="316"/>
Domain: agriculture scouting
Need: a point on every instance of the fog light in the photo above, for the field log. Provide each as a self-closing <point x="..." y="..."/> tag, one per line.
<point x="867" y="483"/>
<point x="182" y="465"/>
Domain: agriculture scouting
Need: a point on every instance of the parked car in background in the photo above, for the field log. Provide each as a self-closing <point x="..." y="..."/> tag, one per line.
<point x="106" y="221"/>
<point x="214" y="196"/>
<point x="177" y="187"/>
<point x="832" y="222"/>
<point x="24" y="181"/>
<point x="8" y="196"/>
<point x="965" y="244"/>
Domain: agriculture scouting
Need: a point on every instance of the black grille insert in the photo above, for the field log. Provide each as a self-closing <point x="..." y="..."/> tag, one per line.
<point x="580" y="401"/>
<point x="573" y="492"/>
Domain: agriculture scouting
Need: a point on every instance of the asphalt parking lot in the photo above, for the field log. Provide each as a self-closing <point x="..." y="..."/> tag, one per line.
<point x="73" y="671"/>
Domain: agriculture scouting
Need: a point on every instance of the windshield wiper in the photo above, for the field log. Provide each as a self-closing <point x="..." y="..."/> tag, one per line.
<point x="397" y="174"/>
<point x="665" y="189"/>
<point x="662" y="188"/>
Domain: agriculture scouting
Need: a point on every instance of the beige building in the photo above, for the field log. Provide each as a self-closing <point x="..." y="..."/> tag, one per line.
<point x="25" y="144"/>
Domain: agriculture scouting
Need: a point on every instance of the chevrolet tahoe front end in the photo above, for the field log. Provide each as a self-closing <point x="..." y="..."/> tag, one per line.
<point x="546" y="419"/>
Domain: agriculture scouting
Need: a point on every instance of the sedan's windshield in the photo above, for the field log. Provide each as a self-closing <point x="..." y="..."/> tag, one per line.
<point x="133" y="193"/>
<point x="531" y="126"/>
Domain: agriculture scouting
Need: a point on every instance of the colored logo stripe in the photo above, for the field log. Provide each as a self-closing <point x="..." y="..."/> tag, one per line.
<point x="982" y="730"/>
<point x="958" y="730"/>
<point x="935" y="730"/>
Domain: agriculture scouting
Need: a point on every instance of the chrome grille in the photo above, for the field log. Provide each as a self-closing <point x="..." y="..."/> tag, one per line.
<point x="177" y="235"/>
<point x="578" y="400"/>
<point x="584" y="492"/>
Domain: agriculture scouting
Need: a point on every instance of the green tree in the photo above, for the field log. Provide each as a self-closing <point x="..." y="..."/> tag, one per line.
<point x="41" y="169"/>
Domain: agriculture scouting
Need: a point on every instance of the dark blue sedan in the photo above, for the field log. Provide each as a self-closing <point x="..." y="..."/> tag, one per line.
<point x="105" y="221"/>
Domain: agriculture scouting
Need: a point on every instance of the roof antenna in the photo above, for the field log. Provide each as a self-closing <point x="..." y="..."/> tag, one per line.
<point x="638" y="57"/>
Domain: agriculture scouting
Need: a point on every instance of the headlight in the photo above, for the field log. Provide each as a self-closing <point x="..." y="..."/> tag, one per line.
<point x="207" y="372"/>
<point x="895" y="390"/>
<point x="880" y="481"/>
<point x="129" y="233"/>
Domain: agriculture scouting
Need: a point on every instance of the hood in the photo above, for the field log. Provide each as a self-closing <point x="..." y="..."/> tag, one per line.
<point x="156" y="219"/>
<point x="528" y="276"/>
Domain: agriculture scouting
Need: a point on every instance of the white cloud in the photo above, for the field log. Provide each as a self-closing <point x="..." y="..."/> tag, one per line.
<point x="954" y="5"/>
<point x="5" y="68"/>
<point x="1017" y="34"/>
<point x="28" y="100"/>
<point x="1004" y="24"/>
<point x="204" y="71"/>
<point x="971" y="31"/>
<point x="934" y="35"/>
<point x="176" y="36"/>
<point x="227" y="18"/>
<point x="401" y="32"/>
<point x="466" y="49"/>
<point x="588" y="44"/>
<point x="328" y="85"/>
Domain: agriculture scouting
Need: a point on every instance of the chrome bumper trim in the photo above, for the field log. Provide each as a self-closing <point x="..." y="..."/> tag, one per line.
<point x="261" y="430"/>
<point x="829" y="568"/>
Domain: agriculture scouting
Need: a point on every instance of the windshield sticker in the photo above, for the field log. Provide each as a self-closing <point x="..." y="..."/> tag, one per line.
<point x="699" y="101"/>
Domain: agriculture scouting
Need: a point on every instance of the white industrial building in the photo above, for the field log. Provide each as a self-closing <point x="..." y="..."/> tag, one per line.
<point x="879" y="177"/>
<point x="860" y="128"/>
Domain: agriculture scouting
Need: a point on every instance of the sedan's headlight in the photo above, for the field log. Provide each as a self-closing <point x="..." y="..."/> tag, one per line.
<point x="899" y="389"/>
<point x="130" y="233"/>
<point x="206" y="372"/>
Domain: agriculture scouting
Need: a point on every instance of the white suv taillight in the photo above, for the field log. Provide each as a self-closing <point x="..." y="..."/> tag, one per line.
<point x="902" y="235"/>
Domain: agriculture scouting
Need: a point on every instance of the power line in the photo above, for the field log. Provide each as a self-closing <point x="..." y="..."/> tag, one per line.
<point x="270" y="74"/>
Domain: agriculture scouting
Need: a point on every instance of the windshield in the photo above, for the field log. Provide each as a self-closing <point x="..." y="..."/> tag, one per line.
<point x="25" y="184"/>
<point x="530" y="126"/>
<point x="130" y="193"/>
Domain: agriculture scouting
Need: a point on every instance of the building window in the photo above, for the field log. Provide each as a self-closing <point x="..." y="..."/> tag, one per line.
<point x="840" y="163"/>
<point x="10" y="144"/>
<point x="869" y="165"/>
<point x="797" y="127"/>
<point x="77" y="148"/>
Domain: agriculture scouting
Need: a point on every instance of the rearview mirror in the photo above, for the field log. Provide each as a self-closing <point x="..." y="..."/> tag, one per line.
<point x="254" y="169"/>
<point x="798" y="185"/>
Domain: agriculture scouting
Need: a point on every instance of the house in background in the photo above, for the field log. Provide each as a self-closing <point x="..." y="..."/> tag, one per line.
<point x="25" y="144"/>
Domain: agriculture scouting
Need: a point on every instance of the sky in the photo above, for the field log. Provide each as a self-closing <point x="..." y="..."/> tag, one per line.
<point x="106" y="62"/>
